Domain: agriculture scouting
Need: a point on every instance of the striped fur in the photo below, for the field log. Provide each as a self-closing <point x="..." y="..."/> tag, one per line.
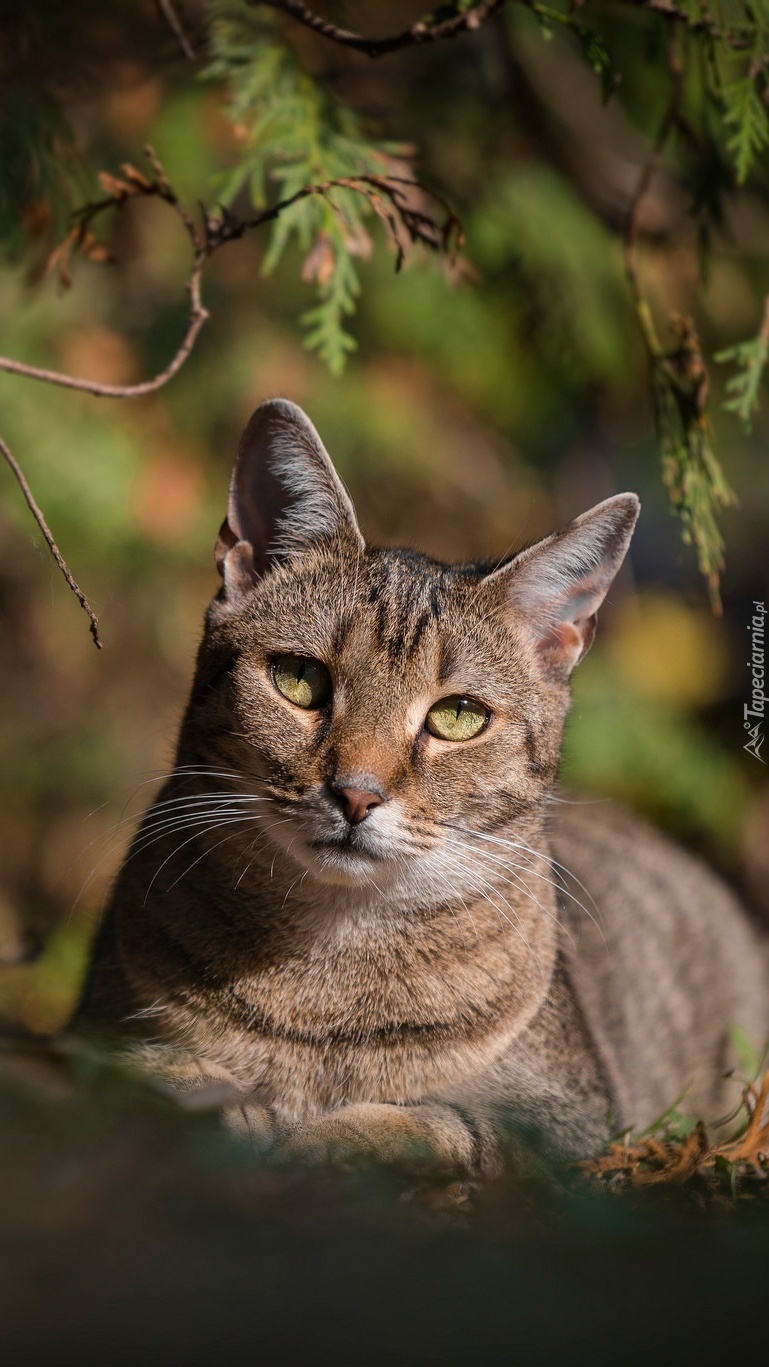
<point x="470" y="962"/>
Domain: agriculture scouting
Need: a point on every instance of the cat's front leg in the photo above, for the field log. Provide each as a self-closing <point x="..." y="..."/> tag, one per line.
<point x="426" y="1137"/>
<point x="199" y="1084"/>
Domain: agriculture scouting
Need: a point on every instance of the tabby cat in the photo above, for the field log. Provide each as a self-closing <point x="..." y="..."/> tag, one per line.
<point x="357" y="901"/>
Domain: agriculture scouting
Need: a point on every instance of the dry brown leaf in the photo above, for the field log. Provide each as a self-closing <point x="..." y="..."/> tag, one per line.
<point x="58" y="261"/>
<point x="751" y="1147"/>
<point x="117" y="189"/>
<point x="92" y="248"/>
<point x="653" y="1161"/>
<point x="359" y="243"/>
<point x="134" y="177"/>
<point x="320" y="262"/>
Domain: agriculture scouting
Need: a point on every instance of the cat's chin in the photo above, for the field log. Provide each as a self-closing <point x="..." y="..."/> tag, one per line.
<point x="332" y="862"/>
<point x="338" y="862"/>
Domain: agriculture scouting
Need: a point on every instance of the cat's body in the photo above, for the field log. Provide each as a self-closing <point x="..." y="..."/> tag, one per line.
<point x="343" y="902"/>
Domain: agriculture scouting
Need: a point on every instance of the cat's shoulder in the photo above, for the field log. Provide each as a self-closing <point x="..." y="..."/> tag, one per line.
<point x="627" y="865"/>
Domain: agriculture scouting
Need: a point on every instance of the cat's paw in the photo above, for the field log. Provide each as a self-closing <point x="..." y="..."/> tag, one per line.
<point x="252" y="1121"/>
<point x="417" y="1138"/>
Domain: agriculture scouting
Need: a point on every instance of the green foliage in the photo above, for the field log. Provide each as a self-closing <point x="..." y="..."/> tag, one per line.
<point x="746" y="114"/>
<point x="740" y="58"/>
<point x="751" y="1062"/>
<point x="652" y="756"/>
<point x="592" y="44"/>
<point x="568" y="267"/>
<point x="743" y="388"/>
<point x="41" y="174"/>
<point x="691" y="472"/>
<point x="696" y="484"/>
<point x="293" y="134"/>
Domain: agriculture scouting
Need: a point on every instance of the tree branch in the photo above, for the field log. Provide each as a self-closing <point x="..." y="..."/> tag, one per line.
<point x="405" y="217"/>
<point x="168" y="12"/>
<point x="422" y="31"/>
<point x="631" y="225"/>
<point x="702" y="23"/>
<point x="398" y="201"/>
<point x="37" y="513"/>
<point x="431" y="28"/>
<point x="679" y="380"/>
<point x="198" y="316"/>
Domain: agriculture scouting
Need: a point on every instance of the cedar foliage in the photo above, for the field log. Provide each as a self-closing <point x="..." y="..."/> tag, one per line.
<point x="295" y="126"/>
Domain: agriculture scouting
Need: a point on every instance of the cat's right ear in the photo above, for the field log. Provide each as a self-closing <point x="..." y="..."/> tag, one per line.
<point x="285" y="496"/>
<point x="557" y="586"/>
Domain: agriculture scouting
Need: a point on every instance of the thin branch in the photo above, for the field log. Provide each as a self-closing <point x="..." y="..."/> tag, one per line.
<point x="226" y="227"/>
<point x="391" y="197"/>
<point x="734" y="36"/>
<point x="630" y="228"/>
<point x="679" y="380"/>
<point x="37" y="513"/>
<point x="198" y="316"/>
<point x="443" y="237"/>
<point x="429" y="29"/>
<point x="177" y="28"/>
<point x="425" y="30"/>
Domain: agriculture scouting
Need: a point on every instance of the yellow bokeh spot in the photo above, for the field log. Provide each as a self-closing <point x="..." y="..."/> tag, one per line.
<point x="668" y="650"/>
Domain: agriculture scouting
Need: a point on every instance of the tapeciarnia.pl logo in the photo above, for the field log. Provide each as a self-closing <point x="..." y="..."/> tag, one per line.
<point x="754" y="712"/>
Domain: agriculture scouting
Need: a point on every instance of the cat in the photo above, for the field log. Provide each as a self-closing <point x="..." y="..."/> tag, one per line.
<point x="359" y="906"/>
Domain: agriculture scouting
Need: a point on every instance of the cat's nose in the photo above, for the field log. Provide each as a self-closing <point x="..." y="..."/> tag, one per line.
<point x="356" y="803"/>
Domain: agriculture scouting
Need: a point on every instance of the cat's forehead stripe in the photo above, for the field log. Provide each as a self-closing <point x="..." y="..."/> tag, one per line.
<point x="406" y="604"/>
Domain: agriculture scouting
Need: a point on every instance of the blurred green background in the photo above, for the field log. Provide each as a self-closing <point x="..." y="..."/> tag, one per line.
<point x="474" y="416"/>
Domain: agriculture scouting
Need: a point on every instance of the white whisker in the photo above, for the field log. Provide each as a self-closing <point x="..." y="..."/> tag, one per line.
<point x="229" y="821"/>
<point x="516" y="881"/>
<point x="547" y="859"/>
<point x="482" y="885"/>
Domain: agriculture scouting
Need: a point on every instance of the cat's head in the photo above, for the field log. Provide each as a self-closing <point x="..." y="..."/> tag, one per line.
<point x="387" y="708"/>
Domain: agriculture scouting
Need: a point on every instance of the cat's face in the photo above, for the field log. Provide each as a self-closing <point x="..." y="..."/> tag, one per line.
<point x="397" y="718"/>
<point x="385" y="705"/>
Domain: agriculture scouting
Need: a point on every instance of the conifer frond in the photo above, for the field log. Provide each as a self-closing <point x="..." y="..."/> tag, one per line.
<point x="743" y="388"/>
<point x="696" y="484"/>
<point x="746" y="114"/>
<point x="292" y="134"/>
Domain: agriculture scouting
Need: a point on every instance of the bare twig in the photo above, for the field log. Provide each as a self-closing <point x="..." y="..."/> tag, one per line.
<point x="197" y="317"/>
<point x="425" y="30"/>
<point x="630" y="229"/>
<point x="37" y="513"/>
<point x="734" y="36"/>
<point x="132" y="185"/>
<point x="168" y="12"/>
<point x="225" y="227"/>
<point x="445" y="237"/>
<point x="679" y="378"/>
<point x="395" y="199"/>
<point x="429" y="29"/>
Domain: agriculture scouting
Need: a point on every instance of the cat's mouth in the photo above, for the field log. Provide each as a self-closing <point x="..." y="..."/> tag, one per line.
<point x="336" y="851"/>
<point x="348" y="844"/>
<point x="346" y="858"/>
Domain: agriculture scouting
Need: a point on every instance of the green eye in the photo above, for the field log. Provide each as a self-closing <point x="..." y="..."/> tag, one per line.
<point x="303" y="681"/>
<point x="457" y="718"/>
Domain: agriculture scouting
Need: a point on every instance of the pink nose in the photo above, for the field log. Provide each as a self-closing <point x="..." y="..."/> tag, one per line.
<point x="356" y="803"/>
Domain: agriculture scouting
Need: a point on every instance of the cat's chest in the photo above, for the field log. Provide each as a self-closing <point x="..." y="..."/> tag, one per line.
<point x="378" y="1017"/>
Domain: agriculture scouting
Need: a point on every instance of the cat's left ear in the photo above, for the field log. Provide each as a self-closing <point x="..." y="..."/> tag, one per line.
<point x="285" y="496"/>
<point x="557" y="586"/>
